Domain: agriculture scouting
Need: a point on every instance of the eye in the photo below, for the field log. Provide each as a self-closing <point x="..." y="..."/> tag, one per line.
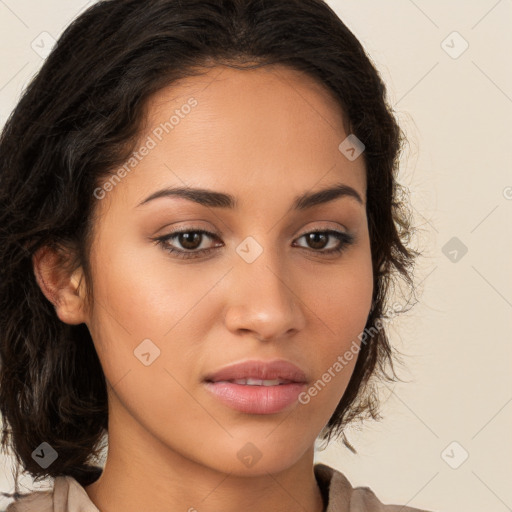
<point x="191" y="241"/>
<point x="317" y="240"/>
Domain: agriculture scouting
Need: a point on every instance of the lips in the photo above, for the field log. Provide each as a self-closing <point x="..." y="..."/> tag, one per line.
<point x="257" y="387"/>
<point x="259" y="373"/>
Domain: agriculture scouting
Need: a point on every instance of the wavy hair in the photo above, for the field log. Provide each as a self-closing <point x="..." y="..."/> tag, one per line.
<point x="79" y="119"/>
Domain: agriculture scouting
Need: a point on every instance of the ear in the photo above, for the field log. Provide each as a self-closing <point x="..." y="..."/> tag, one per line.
<point x="60" y="288"/>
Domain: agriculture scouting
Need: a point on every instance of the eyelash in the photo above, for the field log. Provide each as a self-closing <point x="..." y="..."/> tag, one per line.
<point x="345" y="239"/>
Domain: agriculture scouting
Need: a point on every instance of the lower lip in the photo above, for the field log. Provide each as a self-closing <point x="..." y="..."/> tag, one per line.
<point x="256" y="399"/>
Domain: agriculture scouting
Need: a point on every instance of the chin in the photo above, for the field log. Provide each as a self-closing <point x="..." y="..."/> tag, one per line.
<point x="253" y="458"/>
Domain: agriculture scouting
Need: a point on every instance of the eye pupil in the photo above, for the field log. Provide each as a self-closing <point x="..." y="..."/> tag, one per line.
<point x="313" y="237"/>
<point x="185" y="239"/>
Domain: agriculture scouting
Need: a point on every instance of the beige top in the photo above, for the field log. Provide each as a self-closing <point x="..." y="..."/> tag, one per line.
<point x="69" y="496"/>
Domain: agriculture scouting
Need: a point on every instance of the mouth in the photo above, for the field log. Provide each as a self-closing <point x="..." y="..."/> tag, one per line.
<point x="257" y="373"/>
<point x="256" y="387"/>
<point x="256" y="382"/>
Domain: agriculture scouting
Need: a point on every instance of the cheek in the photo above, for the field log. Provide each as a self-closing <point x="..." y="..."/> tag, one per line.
<point x="149" y="295"/>
<point x="345" y="296"/>
<point x="342" y="311"/>
<point x="141" y="295"/>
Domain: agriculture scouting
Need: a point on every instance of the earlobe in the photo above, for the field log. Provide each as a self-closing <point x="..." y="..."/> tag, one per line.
<point x="60" y="288"/>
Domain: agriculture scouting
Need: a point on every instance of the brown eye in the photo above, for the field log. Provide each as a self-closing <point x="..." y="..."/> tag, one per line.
<point x="190" y="239"/>
<point x="317" y="241"/>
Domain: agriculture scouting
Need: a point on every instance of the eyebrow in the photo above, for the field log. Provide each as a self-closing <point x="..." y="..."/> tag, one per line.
<point x="214" y="199"/>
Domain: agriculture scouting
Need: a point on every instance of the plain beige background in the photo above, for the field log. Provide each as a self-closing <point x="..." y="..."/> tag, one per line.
<point x="442" y="444"/>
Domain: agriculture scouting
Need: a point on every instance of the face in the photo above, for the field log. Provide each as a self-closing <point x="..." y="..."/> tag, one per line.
<point x="249" y="281"/>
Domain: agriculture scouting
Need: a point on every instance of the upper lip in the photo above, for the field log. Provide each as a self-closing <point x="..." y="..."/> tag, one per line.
<point x="263" y="370"/>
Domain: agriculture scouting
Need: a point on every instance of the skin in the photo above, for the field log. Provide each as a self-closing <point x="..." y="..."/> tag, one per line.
<point x="265" y="136"/>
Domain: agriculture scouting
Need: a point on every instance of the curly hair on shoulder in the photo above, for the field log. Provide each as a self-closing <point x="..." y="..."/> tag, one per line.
<point x="78" y="120"/>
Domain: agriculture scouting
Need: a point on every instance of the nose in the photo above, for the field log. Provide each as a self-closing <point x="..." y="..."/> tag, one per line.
<point x="264" y="298"/>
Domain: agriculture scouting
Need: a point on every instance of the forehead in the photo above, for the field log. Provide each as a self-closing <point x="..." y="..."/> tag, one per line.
<point x="273" y="129"/>
<point x="227" y="90"/>
<point x="260" y="103"/>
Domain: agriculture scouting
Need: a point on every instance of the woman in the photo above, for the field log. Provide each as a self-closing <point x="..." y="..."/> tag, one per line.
<point x="199" y="225"/>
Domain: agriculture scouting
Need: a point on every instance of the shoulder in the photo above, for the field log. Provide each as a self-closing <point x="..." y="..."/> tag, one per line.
<point x="343" y="497"/>
<point x="67" y="495"/>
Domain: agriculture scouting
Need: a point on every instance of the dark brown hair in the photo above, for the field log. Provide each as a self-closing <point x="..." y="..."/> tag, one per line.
<point x="79" y="119"/>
